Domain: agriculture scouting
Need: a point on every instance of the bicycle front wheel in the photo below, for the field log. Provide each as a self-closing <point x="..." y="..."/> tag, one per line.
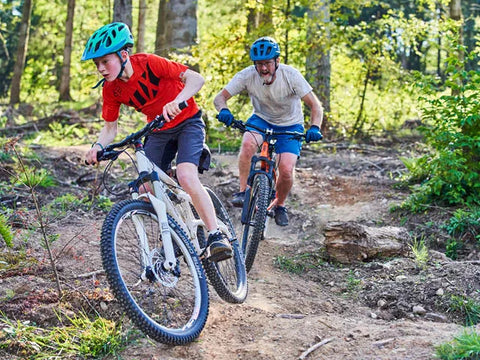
<point x="170" y="306"/>
<point x="228" y="277"/>
<point x="256" y="218"/>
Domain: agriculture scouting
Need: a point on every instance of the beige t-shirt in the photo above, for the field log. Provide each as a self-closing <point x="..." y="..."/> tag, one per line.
<point x="278" y="103"/>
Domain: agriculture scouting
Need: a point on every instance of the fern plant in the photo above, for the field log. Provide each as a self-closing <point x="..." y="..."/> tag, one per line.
<point x="6" y="231"/>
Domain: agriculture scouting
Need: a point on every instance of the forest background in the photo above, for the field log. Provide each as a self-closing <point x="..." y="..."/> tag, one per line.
<point x="375" y="65"/>
<point x="378" y="66"/>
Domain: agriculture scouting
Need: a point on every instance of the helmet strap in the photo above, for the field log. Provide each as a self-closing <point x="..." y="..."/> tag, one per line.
<point x="124" y="62"/>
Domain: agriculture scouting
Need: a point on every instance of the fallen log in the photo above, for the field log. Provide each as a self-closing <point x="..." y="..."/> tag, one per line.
<point x="350" y="242"/>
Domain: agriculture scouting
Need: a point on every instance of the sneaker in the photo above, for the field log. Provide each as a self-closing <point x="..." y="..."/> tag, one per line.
<point x="238" y="199"/>
<point x="281" y="216"/>
<point x="218" y="247"/>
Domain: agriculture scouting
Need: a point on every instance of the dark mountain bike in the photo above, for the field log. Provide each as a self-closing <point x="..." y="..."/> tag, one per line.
<point x="260" y="193"/>
<point x="152" y="250"/>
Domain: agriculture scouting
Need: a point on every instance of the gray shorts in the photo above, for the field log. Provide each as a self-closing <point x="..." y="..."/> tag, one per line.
<point x="185" y="140"/>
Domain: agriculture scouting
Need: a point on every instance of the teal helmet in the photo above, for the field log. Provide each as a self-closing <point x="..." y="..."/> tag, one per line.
<point x="108" y="39"/>
<point x="264" y="48"/>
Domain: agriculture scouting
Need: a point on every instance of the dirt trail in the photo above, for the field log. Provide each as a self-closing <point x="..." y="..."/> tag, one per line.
<point x="287" y="313"/>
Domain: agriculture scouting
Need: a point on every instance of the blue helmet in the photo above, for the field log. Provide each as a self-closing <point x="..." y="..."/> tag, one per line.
<point x="264" y="48"/>
<point x="108" y="39"/>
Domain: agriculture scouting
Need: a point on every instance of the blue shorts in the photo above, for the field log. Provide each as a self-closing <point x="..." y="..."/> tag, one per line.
<point x="285" y="143"/>
<point x="184" y="140"/>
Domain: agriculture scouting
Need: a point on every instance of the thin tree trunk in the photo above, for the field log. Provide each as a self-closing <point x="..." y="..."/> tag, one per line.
<point x="456" y="14"/>
<point x="24" y="34"/>
<point x="176" y="26"/>
<point x="161" y="34"/>
<point x="142" y="12"/>
<point x="318" y="59"/>
<point x="360" y="118"/>
<point x="122" y="11"/>
<point x="67" y="54"/>
<point x="286" y="39"/>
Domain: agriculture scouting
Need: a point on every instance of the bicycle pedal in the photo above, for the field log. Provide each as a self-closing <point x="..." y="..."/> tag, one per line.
<point x="271" y="213"/>
<point x="220" y="256"/>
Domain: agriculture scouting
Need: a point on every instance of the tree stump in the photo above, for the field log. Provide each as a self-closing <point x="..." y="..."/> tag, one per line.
<point x="349" y="242"/>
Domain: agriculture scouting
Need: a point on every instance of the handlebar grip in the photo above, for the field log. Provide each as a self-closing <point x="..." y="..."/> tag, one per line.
<point x="183" y="105"/>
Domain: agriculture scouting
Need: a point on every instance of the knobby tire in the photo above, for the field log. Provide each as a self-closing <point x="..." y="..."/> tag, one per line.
<point x="169" y="306"/>
<point x="256" y="218"/>
<point x="228" y="277"/>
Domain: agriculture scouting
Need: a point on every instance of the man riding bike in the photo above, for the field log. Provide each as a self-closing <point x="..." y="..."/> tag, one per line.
<point x="276" y="91"/>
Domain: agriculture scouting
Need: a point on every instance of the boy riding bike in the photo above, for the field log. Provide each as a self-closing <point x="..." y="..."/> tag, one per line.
<point x="155" y="85"/>
<point x="276" y="91"/>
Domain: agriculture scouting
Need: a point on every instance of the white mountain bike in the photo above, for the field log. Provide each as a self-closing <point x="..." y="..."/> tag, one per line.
<point x="152" y="250"/>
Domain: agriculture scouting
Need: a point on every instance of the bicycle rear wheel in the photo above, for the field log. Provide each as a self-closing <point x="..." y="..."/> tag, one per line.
<point x="256" y="218"/>
<point x="228" y="277"/>
<point x="171" y="306"/>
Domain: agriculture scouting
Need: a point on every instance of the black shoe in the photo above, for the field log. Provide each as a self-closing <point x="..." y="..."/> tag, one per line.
<point x="238" y="199"/>
<point x="281" y="216"/>
<point x="218" y="247"/>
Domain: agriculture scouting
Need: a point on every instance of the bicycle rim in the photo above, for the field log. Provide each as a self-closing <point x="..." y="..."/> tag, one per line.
<point x="228" y="277"/>
<point x="257" y="215"/>
<point x="171" y="306"/>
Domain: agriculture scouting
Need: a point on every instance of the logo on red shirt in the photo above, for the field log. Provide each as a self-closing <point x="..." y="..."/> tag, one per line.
<point x="117" y="92"/>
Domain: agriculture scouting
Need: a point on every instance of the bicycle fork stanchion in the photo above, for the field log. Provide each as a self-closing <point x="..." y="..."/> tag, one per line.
<point x="143" y="243"/>
<point x="161" y="210"/>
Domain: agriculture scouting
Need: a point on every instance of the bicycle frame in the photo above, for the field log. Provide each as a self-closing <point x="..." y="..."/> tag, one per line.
<point x="167" y="198"/>
<point x="267" y="165"/>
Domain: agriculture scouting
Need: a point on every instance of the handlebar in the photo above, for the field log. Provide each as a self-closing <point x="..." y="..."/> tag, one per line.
<point x="109" y="152"/>
<point x="240" y="125"/>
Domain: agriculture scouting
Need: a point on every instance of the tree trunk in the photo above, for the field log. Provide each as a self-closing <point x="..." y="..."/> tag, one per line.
<point x="67" y="54"/>
<point x="122" y="11"/>
<point x="142" y="13"/>
<point x="161" y="35"/>
<point x="351" y="242"/>
<point x="259" y="17"/>
<point x="176" y="26"/>
<point x="21" y="52"/>
<point x="318" y="58"/>
<point x="456" y="14"/>
<point x="360" y="118"/>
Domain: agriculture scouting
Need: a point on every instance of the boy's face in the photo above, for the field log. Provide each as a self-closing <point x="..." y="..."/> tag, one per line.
<point x="108" y="66"/>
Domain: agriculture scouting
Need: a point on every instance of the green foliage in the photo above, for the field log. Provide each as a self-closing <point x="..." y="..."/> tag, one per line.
<point x="6" y="231"/>
<point x="62" y="204"/>
<point x="104" y="203"/>
<point x="81" y="337"/>
<point x="33" y="177"/>
<point x="59" y="134"/>
<point x="298" y="264"/>
<point x="465" y="222"/>
<point x="420" y="252"/>
<point x="453" y="136"/>
<point x="388" y="101"/>
<point x="469" y="308"/>
<point x="353" y="283"/>
<point x="16" y="261"/>
<point x="451" y="248"/>
<point x="465" y="346"/>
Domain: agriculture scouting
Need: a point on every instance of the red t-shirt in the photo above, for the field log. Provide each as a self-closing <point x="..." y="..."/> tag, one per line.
<point x="154" y="83"/>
